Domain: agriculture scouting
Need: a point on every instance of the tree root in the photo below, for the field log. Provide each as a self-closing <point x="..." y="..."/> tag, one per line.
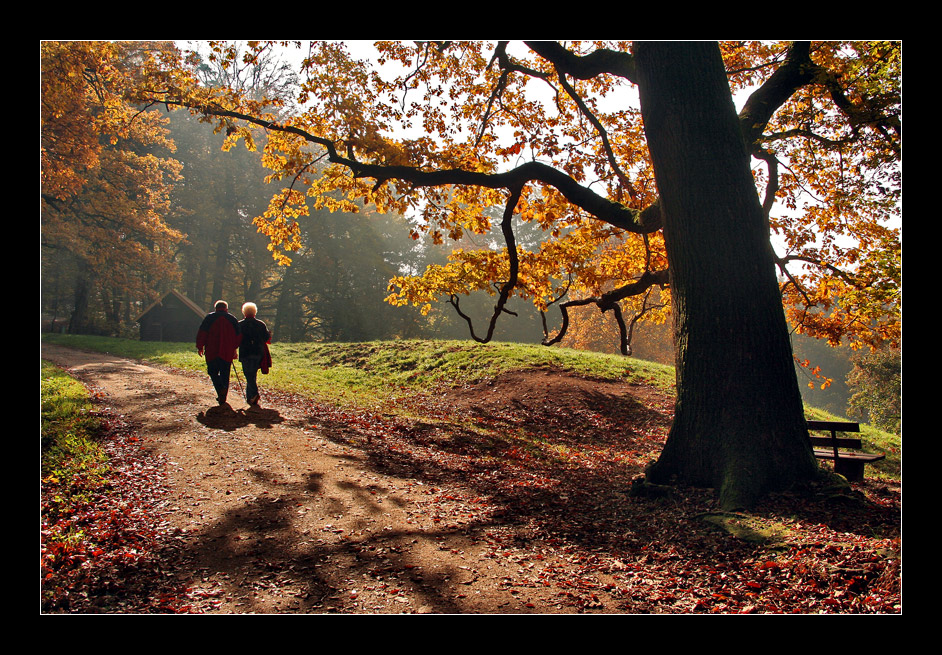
<point x="642" y="488"/>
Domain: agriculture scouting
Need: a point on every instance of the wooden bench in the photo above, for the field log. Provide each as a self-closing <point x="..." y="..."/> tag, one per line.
<point x="848" y="464"/>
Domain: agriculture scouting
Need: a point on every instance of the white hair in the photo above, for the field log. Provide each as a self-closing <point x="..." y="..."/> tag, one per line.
<point x="249" y="309"/>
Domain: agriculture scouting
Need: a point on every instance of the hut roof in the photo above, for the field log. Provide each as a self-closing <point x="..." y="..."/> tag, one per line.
<point x="183" y="299"/>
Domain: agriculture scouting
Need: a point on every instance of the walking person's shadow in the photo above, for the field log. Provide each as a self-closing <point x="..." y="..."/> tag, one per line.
<point x="223" y="417"/>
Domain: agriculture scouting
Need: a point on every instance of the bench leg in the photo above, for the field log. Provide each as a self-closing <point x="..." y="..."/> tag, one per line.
<point x="851" y="469"/>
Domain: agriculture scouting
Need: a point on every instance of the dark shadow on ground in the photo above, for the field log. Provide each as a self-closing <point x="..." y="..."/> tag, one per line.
<point x="517" y="450"/>
<point x="553" y="468"/>
<point x="543" y="496"/>
<point x="224" y="417"/>
<point x="554" y="479"/>
<point x="314" y="574"/>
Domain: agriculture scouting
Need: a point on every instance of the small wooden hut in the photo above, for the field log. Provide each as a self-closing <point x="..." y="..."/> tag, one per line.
<point x="172" y="318"/>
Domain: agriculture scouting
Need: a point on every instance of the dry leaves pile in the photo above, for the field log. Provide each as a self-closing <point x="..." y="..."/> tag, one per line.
<point x="513" y="496"/>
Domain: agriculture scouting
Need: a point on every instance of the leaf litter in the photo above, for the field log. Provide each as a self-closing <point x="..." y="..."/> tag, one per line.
<point x="509" y="496"/>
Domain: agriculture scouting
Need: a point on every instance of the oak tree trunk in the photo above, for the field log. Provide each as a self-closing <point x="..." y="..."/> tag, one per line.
<point x="739" y="425"/>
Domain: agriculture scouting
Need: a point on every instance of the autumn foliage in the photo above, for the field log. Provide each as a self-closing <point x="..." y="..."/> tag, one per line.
<point x="106" y="172"/>
<point x="524" y="478"/>
<point x="556" y="187"/>
<point x="439" y="131"/>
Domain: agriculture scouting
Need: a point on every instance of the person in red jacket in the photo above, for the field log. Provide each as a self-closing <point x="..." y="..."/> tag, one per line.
<point x="217" y="339"/>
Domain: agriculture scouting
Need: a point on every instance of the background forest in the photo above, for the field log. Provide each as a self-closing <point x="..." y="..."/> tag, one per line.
<point x="333" y="290"/>
<point x="182" y="204"/>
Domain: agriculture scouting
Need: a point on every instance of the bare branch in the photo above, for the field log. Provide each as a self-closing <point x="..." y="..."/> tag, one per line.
<point x="609" y="301"/>
<point x="506" y="226"/>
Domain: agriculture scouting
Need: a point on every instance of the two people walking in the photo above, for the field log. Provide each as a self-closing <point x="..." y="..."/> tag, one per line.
<point x="218" y="338"/>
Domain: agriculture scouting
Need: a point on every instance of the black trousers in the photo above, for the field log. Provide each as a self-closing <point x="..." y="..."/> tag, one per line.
<point x="250" y="366"/>
<point x="219" y="373"/>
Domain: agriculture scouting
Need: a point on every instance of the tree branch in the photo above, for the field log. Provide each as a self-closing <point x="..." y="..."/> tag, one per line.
<point x="506" y="226"/>
<point x="796" y="71"/>
<point x="600" y="61"/>
<point x="609" y="301"/>
<point x="603" y="133"/>
<point x="615" y="214"/>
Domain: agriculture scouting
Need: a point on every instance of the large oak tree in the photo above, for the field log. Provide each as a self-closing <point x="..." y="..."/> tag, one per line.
<point x="665" y="195"/>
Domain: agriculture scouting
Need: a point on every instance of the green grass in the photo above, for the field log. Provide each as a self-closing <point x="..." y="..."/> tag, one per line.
<point x="370" y="374"/>
<point x="73" y="465"/>
<point x="375" y="368"/>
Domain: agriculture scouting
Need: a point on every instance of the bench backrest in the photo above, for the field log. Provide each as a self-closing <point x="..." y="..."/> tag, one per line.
<point x="829" y="442"/>
<point x="834" y="426"/>
<point x="834" y="441"/>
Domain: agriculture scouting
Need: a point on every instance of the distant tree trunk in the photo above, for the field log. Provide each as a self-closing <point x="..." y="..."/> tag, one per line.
<point x="112" y="299"/>
<point x="254" y="291"/>
<point x="221" y="265"/>
<point x="78" y="322"/>
<point x="191" y="277"/>
<point x="199" y="294"/>
<point x="127" y="309"/>
<point x="286" y="308"/>
<point x="739" y="424"/>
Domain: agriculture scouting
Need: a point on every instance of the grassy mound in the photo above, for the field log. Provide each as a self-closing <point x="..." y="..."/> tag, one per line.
<point x="375" y="374"/>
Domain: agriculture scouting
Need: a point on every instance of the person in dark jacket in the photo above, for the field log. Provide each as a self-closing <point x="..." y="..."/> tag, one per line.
<point x="253" y="350"/>
<point x="217" y="338"/>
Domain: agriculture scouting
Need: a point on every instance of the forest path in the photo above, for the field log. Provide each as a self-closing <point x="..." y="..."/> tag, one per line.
<point x="274" y="516"/>
<point x="510" y="496"/>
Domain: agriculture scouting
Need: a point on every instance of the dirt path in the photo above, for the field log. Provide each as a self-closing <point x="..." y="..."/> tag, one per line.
<point x="510" y="496"/>
<point x="276" y="517"/>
